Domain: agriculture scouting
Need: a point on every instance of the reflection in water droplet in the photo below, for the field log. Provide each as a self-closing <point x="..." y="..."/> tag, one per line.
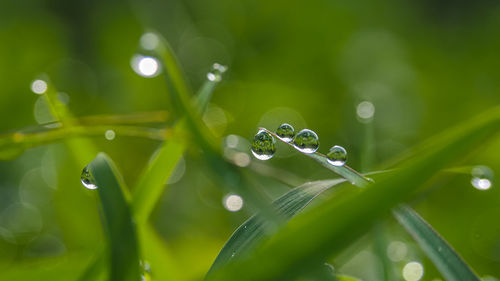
<point x="482" y="177"/>
<point x="149" y="41"/>
<point x="306" y="141"/>
<point x="87" y="179"/>
<point x="263" y="145"/>
<point x="365" y="110"/>
<point x="337" y="156"/>
<point x="413" y="271"/>
<point x="396" y="251"/>
<point x="110" y="135"/>
<point x="145" y="66"/>
<point x="215" y="74"/>
<point x="233" y="202"/>
<point x="285" y="132"/>
<point x="39" y="86"/>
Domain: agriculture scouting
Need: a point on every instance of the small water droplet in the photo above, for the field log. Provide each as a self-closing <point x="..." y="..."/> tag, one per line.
<point x="233" y="202"/>
<point x="87" y="179"/>
<point x="145" y="66"/>
<point x="482" y="177"/>
<point x="365" y="110"/>
<point x="233" y="254"/>
<point x="337" y="156"/>
<point x="215" y="73"/>
<point x="110" y="135"/>
<point x="263" y="145"/>
<point x="149" y="41"/>
<point x="306" y="141"/>
<point x="285" y="132"/>
<point x="39" y="86"/>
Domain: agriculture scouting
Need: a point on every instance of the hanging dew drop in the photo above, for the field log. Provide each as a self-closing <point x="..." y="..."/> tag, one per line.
<point x="337" y="156"/>
<point x="87" y="179"/>
<point x="306" y="141"/>
<point x="263" y="145"/>
<point x="285" y="132"/>
<point x="215" y="74"/>
<point x="482" y="177"/>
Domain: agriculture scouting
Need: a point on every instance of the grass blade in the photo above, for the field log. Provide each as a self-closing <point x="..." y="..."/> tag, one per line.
<point x="118" y="222"/>
<point x="446" y="260"/>
<point x="256" y="227"/>
<point x="353" y="216"/>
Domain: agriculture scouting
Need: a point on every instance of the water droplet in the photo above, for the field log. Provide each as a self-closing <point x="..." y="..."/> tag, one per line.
<point x="149" y="41"/>
<point x="233" y="202"/>
<point x="87" y="179"/>
<point x="233" y="254"/>
<point x="263" y="146"/>
<point x="39" y="86"/>
<point x="365" y="110"/>
<point x="413" y="271"/>
<point x="215" y="73"/>
<point x="285" y="132"/>
<point x="306" y="141"/>
<point x="397" y="251"/>
<point x="110" y="135"/>
<point x="482" y="177"/>
<point x="337" y="156"/>
<point x="145" y="66"/>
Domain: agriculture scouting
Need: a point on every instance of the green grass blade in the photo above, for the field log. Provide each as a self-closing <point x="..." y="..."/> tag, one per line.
<point x="163" y="265"/>
<point x="446" y="260"/>
<point x="118" y="222"/>
<point x="256" y="227"/>
<point x="153" y="179"/>
<point x="337" y="224"/>
<point x="95" y="269"/>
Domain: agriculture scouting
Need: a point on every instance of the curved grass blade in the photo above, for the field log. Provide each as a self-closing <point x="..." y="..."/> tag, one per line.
<point x="447" y="261"/>
<point x="117" y="220"/>
<point x="279" y="260"/>
<point x="95" y="269"/>
<point x="257" y="227"/>
<point x="152" y="181"/>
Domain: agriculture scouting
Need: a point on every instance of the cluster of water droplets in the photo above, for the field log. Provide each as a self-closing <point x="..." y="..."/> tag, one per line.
<point x="305" y="141"/>
<point x="216" y="71"/>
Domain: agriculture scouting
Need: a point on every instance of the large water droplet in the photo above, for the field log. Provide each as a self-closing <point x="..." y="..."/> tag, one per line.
<point x="337" y="156"/>
<point x="482" y="177"/>
<point x="215" y="73"/>
<point x="87" y="179"/>
<point x="285" y="132"/>
<point x="306" y="141"/>
<point x="263" y="145"/>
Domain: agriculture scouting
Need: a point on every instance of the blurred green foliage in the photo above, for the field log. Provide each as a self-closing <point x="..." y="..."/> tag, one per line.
<point x="425" y="65"/>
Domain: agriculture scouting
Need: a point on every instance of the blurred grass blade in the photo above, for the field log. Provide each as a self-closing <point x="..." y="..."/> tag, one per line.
<point x="336" y="224"/>
<point x="95" y="270"/>
<point x="446" y="260"/>
<point x="118" y="222"/>
<point x="163" y="265"/>
<point x="153" y="179"/>
<point x="256" y="227"/>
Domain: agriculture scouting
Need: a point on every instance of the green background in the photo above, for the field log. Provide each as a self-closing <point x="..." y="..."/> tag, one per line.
<point x="425" y="65"/>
